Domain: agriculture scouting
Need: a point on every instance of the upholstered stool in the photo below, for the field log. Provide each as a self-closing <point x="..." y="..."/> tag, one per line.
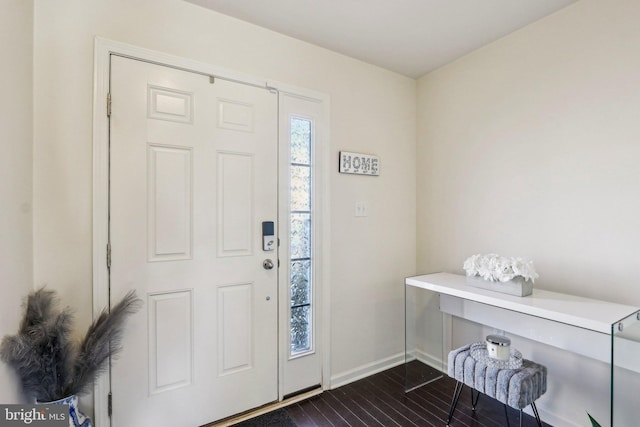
<point x="514" y="387"/>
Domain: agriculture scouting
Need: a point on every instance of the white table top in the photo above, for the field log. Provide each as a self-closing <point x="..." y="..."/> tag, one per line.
<point x="573" y="310"/>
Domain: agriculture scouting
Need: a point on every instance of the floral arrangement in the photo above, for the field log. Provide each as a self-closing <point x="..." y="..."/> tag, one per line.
<point x="497" y="268"/>
<point x="49" y="364"/>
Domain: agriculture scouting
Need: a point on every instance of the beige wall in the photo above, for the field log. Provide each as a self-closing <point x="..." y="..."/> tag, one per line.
<point x="530" y="147"/>
<point x="372" y="110"/>
<point x="16" y="277"/>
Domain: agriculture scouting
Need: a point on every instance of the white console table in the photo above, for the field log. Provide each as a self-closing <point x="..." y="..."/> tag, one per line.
<point x="580" y="325"/>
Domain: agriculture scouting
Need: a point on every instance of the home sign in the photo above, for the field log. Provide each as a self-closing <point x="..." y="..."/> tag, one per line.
<point x="359" y="164"/>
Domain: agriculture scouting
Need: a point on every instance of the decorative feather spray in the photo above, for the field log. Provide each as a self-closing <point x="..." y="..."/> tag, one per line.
<point x="49" y="364"/>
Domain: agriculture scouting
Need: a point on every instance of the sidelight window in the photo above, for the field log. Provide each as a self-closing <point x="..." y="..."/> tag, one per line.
<point x="301" y="254"/>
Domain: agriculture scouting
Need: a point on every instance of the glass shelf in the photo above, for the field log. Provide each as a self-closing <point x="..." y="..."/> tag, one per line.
<point x="625" y="370"/>
<point x="424" y="356"/>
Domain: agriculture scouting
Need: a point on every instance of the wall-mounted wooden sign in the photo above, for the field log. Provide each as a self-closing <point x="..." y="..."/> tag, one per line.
<point x="359" y="164"/>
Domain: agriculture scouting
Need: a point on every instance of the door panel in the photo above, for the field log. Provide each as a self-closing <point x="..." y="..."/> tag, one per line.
<point x="235" y="331"/>
<point x="169" y="206"/>
<point x="170" y="341"/>
<point x="235" y="204"/>
<point x="193" y="173"/>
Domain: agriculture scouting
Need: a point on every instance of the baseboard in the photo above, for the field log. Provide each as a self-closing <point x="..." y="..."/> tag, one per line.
<point x="366" y="370"/>
<point x="555" y="420"/>
<point x="430" y="360"/>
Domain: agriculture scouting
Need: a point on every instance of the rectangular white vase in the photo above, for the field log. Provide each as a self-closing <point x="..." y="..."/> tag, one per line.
<point x="517" y="286"/>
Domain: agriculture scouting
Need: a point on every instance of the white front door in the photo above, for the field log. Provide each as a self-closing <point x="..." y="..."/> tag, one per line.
<point x="193" y="174"/>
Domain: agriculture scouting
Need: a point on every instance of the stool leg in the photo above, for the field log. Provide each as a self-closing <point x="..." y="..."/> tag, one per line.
<point x="454" y="401"/>
<point x="535" y="412"/>
<point x="521" y="417"/>
<point x="474" y="401"/>
<point x="506" y="415"/>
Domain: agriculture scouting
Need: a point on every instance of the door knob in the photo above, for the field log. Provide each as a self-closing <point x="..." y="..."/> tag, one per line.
<point x="267" y="264"/>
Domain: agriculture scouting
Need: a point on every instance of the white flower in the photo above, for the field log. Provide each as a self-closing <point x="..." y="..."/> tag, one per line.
<point x="525" y="269"/>
<point x="519" y="266"/>
<point x="495" y="268"/>
<point x="471" y="265"/>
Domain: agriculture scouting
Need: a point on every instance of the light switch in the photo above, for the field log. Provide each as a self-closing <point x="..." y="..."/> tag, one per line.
<point x="362" y="209"/>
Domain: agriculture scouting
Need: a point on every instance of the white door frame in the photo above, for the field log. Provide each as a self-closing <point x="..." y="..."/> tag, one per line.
<point x="103" y="49"/>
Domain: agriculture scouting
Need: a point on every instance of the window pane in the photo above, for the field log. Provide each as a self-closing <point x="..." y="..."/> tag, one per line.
<point x="300" y="141"/>
<point x="300" y="235"/>
<point x="300" y="282"/>
<point x="300" y="188"/>
<point x="300" y="330"/>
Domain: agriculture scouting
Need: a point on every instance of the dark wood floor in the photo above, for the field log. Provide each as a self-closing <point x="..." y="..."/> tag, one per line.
<point x="380" y="400"/>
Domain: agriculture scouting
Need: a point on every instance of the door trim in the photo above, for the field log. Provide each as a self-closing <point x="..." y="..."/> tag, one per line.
<point x="103" y="49"/>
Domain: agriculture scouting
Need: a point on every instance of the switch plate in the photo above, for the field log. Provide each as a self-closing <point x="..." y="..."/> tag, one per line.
<point x="362" y="209"/>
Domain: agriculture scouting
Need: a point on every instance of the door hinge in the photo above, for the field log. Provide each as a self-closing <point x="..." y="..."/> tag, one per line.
<point x="109" y="404"/>
<point x="109" y="104"/>
<point x="109" y="256"/>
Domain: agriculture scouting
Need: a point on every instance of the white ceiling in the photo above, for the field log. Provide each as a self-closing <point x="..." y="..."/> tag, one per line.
<point x="411" y="37"/>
